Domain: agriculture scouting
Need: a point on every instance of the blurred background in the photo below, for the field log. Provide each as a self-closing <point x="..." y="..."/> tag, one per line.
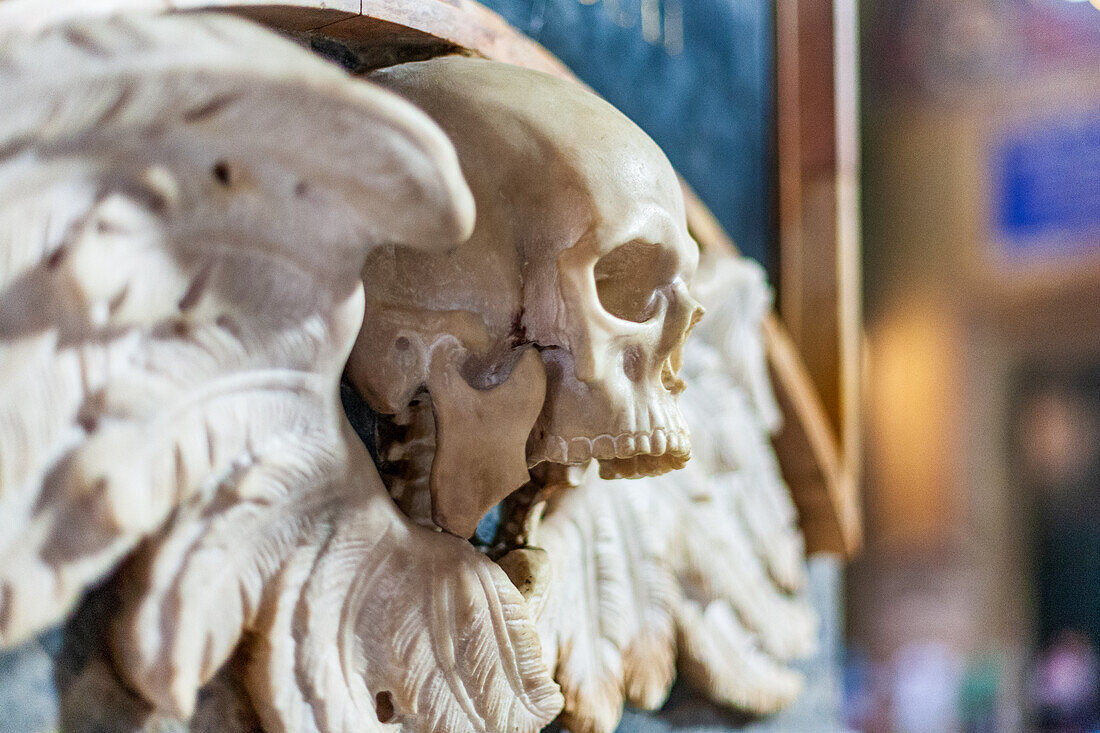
<point x="975" y="601"/>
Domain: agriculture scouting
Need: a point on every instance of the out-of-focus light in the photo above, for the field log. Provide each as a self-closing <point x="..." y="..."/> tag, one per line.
<point x="914" y="416"/>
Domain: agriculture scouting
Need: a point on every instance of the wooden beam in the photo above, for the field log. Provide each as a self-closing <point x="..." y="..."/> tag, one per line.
<point x="819" y="252"/>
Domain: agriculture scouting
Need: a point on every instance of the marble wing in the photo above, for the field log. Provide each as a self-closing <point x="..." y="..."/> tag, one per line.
<point x="185" y="205"/>
<point x="701" y="569"/>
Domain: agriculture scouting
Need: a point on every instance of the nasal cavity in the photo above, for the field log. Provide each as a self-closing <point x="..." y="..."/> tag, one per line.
<point x="633" y="364"/>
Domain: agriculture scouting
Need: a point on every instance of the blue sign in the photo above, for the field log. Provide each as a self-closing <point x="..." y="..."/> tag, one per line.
<point x="1047" y="187"/>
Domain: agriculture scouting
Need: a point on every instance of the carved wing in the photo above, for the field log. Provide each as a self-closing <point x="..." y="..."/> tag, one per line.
<point x="703" y="566"/>
<point x="605" y="598"/>
<point x="432" y="635"/>
<point x="185" y="204"/>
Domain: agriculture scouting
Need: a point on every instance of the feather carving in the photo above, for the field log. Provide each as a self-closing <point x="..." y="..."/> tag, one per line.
<point x="608" y="611"/>
<point x="185" y="205"/>
<point x="700" y="569"/>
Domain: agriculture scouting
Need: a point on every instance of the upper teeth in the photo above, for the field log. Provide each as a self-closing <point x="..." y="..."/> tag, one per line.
<point x="581" y="449"/>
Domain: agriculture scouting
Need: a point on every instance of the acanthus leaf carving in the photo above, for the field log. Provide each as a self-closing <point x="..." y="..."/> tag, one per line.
<point x="607" y="618"/>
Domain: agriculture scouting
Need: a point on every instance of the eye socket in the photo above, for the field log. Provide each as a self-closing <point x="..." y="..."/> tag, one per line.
<point x="629" y="277"/>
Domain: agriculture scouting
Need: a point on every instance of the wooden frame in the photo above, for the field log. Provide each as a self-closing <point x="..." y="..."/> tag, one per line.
<point x="819" y="260"/>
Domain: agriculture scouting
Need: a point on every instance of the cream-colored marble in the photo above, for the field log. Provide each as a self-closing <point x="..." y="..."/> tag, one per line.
<point x="185" y="205"/>
<point x="202" y="226"/>
<point x="580" y="253"/>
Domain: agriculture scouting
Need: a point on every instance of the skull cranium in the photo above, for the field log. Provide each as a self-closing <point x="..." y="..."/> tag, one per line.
<point x="580" y="255"/>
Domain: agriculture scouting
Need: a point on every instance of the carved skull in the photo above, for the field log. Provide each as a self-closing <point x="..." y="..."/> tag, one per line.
<point x="553" y="334"/>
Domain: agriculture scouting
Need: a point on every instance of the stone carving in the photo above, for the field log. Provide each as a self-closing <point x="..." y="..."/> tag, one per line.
<point x="619" y="574"/>
<point x="703" y="566"/>
<point x="186" y="203"/>
<point x="203" y="226"/>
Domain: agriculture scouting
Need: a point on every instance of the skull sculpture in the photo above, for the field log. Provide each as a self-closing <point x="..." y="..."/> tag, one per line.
<point x="554" y="333"/>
